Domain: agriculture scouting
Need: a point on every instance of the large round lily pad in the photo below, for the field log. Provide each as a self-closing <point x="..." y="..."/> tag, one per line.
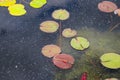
<point x="63" y="61"/>
<point x="79" y="43"/>
<point x="60" y="14"/>
<point x="49" y="26"/>
<point x="50" y="50"/>
<point x="110" y="60"/>
<point x="107" y="6"/>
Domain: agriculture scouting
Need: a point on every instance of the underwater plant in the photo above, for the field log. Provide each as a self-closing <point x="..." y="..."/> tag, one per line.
<point x="89" y="60"/>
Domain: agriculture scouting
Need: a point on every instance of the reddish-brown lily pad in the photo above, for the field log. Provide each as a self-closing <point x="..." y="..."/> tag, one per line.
<point x="107" y="6"/>
<point x="63" y="61"/>
<point x="49" y="26"/>
<point x="50" y="50"/>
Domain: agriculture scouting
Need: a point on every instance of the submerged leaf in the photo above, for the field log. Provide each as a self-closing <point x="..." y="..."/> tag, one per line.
<point x="38" y="3"/>
<point x="17" y="10"/>
<point x="60" y="14"/>
<point x="110" y="60"/>
<point x="7" y="3"/>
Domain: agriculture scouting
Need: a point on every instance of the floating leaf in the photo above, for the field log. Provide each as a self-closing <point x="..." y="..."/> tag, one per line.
<point x="68" y="32"/>
<point x="117" y="11"/>
<point x="7" y="3"/>
<point x="60" y="14"/>
<point x="38" y="3"/>
<point x="79" y="43"/>
<point x="63" y="61"/>
<point x="107" y="6"/>
<point x="50" y="50"/>
<point x="17" y="10"/>
<point x="49" y="26"/>
<point x="111" y="79"/>
<point x="110" y="60"/>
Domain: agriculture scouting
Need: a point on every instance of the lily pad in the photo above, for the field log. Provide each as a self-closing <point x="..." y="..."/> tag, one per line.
<point x="117" y="11"/>
<point x="68" y="32"/>
<point x="17" y="10"/>
<point x="79" y="43"/>
<point x="7" y="3"/>
<point x="38" y="3"/>
<point x="50" y="50"/>
<point x="63" y="61"/>
<point x="110" y="60"/>
<point x="111" y="79"/>
<point x="107" y="6"/>
<point x="61" y="14"/>
<point x="49" y="26"/>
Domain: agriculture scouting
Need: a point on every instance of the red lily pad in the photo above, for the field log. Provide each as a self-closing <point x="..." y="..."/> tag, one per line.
<point x="107" y="6"/>
<point x="63" y="61"/>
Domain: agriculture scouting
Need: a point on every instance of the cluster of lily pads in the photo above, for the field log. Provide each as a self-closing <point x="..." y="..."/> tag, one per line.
<point x="65" y="61"/>
<point x="16" y="9"/>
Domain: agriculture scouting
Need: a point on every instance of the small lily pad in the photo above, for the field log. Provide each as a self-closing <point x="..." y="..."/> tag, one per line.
<point x="117" y="11"/>
<point x="60" y="14"/>
<point x="68" y="32"/>
<point x="110" y="60"/>
<point x="17" y="10"/>
<point x="7" y="3"/>
<point x="79" y="43"/>
<point x="38" y="3"/>
<point x="50" y="50"/>
<point x="49" y="26"/>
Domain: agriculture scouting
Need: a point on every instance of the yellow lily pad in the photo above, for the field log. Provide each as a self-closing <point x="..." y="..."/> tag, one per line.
<point x="7" y="3"/>
<point x="60" y="14"/>
<point x="38" y="3"/>
<point x="110" y="60"/>
<point x="79" y="43"/>
<point x="17" y="10"/>
<point x="49" y="26"/>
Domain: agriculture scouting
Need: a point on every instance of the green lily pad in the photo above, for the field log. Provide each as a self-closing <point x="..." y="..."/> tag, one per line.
<point x="110" y="60"/>
<point x="79" y="43"/>
<point x="37" y="3"/>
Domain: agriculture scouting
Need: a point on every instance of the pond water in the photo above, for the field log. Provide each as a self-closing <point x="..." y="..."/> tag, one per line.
<point x="21" y="42"/>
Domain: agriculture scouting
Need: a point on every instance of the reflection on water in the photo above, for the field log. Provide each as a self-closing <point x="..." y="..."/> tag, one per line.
<point x="88" y="60"/>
